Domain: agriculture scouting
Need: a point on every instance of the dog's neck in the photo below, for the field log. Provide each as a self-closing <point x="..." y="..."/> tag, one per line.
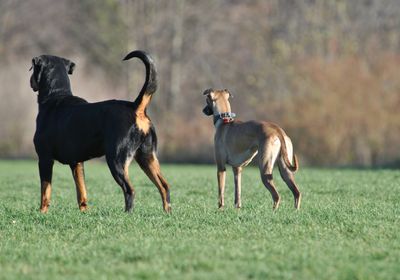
<point x="59" y="89"/>
<point x="52" y="94"/>
<point x="223" y="118"/>
<point x="54" y="83"/>
<point x="217" y="122"/>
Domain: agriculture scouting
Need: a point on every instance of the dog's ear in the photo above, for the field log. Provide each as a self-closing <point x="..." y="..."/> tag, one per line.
<point x="37" y="64"/>
<point x="209" y="92"/>
<point x="208" y="111"/>
<point x="228" y="92"/>
<point x="70" y="66"/>
<point x="36" y="61"/>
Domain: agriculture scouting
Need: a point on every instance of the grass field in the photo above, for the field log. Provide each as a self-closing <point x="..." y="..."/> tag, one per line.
<point x="348" y="227"/>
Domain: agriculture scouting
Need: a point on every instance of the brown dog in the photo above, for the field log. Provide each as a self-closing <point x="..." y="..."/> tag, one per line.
<point x="236" y="144"/>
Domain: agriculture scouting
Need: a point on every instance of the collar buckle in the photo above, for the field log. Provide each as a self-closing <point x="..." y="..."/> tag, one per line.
<point x="227" y="117"/>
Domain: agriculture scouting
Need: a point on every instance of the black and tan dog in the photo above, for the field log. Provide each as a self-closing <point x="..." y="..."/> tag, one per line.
<point x="236" y="143"/>
<point x="71" y="130"/>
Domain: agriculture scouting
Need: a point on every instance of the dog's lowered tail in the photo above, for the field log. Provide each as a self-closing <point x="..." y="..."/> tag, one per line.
<point x="284" y="154"/>
<point x="150" y="85"/>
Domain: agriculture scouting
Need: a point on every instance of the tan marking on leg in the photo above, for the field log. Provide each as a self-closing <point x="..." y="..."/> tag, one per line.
<point x="151" y="167"/>
<point x="167" y="188"/>
<point x="79" y="178"/>
<point x="126" y="174"/>
<point x="155" y="171"/>
<point x="45" y="196"/>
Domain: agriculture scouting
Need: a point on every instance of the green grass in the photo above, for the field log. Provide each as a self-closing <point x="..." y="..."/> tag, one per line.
<point x="348" y="227"/>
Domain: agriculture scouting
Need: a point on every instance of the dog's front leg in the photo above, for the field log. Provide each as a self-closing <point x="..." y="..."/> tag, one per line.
<point x="46" y="173"/>
<point x="221" y="186"/>
<point x="237" y="172"/>
<point x="79" y="178"/>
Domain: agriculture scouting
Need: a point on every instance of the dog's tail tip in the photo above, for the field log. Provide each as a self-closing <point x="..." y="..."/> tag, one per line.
<point x="150" y="85"/>
<point x="295" y="165"/>
<point x="292" y="166"/>
<point x="140" y="54"/>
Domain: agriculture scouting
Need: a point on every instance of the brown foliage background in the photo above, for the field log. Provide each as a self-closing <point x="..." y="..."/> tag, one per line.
<point x="326" y="71"/>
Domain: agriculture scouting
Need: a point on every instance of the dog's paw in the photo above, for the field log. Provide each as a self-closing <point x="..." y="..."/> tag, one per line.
<point x="276" y="205"/>
<point x="168" y="209"/>
<point x="83" y="208"/>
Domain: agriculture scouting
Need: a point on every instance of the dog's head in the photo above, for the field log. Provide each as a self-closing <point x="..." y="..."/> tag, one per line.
<point x="50" y="73"/>
<point x="217" y="102"/>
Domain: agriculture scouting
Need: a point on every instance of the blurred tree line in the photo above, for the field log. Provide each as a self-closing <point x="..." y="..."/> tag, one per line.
<point x="326" y="71"/>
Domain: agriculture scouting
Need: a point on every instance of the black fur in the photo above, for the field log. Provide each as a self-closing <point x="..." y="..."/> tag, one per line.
<point x="71" y="130"/>
<point x="208" y="109"/>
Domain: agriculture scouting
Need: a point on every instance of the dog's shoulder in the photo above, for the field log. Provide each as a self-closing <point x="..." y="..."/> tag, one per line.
<point x="64" y="101"/>
<point x="72" y="100"/>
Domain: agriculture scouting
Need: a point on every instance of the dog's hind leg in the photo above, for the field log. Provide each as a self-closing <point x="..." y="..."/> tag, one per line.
<point x="268" y="151"/>
<point x="79" y="177"/>
<point x="119" y="170"/>
<point x="288" y="177"/>
<point x="46" y="173"/>
<point x="150" y="165"/>
<point x="237" y="172"/>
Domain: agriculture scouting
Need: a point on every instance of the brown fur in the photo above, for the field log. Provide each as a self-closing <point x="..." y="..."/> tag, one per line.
<point x="79" y="178"/>
<point x="236" y="143"/>
<point x="45" y="196"/>
<point x="142" y="121"/>
<point x="220" y="97"/>
<point x="151" y="167"/>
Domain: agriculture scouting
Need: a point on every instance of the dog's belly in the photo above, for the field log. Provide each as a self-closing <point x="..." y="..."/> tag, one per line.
<point x="77" y="155"/>
<point x="73" y="150"/>
<point x="242" y="159"/>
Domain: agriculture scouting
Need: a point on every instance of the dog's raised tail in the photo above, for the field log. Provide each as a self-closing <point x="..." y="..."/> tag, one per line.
<point x="150" y="84"/>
